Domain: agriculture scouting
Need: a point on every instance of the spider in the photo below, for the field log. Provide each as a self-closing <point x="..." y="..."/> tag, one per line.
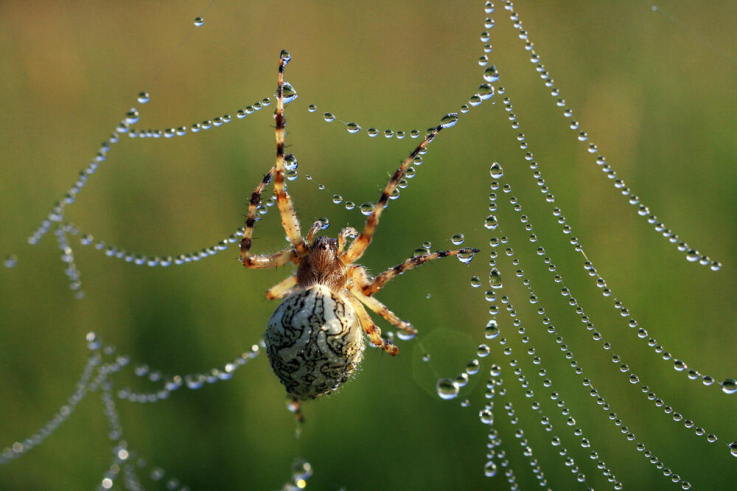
<point x="314" y="340"/>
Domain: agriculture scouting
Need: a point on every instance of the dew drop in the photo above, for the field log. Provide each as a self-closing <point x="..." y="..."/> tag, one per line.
<point x="337" y="199"/>
<point x="312" y="108"/>
<point x="486" y="416"/>
<point x="447" y="389"/>
<point x="449" y="120"/>
<point x="288" y="92"/>
<point x="483" y="350"/>
<point x="426" y="357"/>
<point x="367" y="208"/>
<point x="491" y="74"/>
<point x="349" y="205"/>
<point x="143" y="97"/>
<point x="485" y="92"/>
<point x="414" y="134"/>
<point x="491" y="223"/>
<point x="329" y="117"/>
<point x="457" y="239"/>
<point x="693" y="255"/>
<point x="475" y="281"/>
<point x="495" y="278"/>
<point x="290" y="162"/>
<point x="490" y="469"/>
<point x="492" y="329"/>
<point x="496" y="171"/>
<point x="372" y="132"/>
<point x="729" y="386"/>
<point x="733" y="449"/>
<point x="466" y="255"/>
<point x="353" y="128"/>
<point x="199" y="21"/>
<point x="388" y="133"/>
<point x="285" y="56"/>
<point x="10" y="261"/>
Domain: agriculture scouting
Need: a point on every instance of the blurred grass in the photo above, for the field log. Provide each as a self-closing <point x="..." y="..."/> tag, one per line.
<point x="657" y="100"/>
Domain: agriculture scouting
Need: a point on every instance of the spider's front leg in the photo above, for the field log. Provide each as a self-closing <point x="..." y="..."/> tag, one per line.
<point x="266" y="261"/>
<point x="283" y="288"/>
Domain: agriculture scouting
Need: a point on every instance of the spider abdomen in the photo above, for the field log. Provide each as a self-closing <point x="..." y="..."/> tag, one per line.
<point x="314" y="341"/>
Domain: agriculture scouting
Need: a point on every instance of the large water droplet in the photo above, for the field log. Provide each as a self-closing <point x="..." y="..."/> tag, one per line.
<point x="496" y="170"/>
<point x="457" y="239"/>
<point x="495" y="278"/>
<point x="367" y="208"/>
<point x="285" y="56"/>
<point x="449" y="120"/>
<point x="447" y="389"/>
<point x="491" y="223"/>
<point x="485" y="92"/>
<point x="492" y="329"/>
<point x="491" y="74"/>
<point x="490" y="469"/>
<point x="288" y="92"/>
<point x="353" y="128"/>
<point x="729" y="386"/>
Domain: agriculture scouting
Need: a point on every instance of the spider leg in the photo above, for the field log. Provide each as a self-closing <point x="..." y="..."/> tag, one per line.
<point x="316" y="227"/>
<point x="266" y="261"/>
<point x="378" y="283"/>
<point x="359" y="245"/>
<point x="286" y="208"/>
<point x="344" y="234"/>
<point x="371" y="330"/>
<point x="282" y="288"/>
<point x="361" y="281"/>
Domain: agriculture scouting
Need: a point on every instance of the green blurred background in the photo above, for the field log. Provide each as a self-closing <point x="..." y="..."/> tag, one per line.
<point x="654" y="90"/>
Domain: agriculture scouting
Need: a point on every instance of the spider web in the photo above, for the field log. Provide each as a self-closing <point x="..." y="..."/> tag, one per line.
<point x="162" y="197"/>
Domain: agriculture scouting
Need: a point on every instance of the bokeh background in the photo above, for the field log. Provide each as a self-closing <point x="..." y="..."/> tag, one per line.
<point x="654" y="90"/>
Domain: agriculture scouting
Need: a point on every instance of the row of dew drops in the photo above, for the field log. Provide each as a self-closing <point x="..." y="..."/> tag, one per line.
<point x="127" y="464"/>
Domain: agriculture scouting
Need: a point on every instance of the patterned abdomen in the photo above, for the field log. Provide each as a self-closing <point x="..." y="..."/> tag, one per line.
<point x="314" y="342"/>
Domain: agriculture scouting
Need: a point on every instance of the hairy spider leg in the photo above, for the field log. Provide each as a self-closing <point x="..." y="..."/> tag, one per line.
<point x="382" y="310"/>
<point x="286" y="208"/>
<point x="265" y="261"/>
<point x="283" y="288"/>
<point x="356" y="250"/>
<point x="344" y="234"/>
<point x="378" y="283"/>
<point x="316" y="227"/>
<point x="371" y="329"/>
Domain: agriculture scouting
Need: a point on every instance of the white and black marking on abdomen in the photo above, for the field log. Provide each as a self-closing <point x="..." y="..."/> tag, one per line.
<point x="314" y="342"/>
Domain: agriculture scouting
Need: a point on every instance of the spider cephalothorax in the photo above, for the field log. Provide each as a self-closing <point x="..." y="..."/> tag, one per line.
<point x="314" y="340"/>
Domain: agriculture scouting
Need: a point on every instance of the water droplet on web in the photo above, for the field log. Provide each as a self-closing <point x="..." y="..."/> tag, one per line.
<point x="447" y="389"/>
<point x="199" y="21"/>
<point x="485" y="92"/>
<point x="449" y="120"/>
<point x="491" y="223"/>
<point x="457" y="239"/>
<point x="388" y="133"/>
<point x="466" y="255"/>
<point x="491" y="74"/>
<point x="329" y="117"/>
<point x="496" y="171"/>
<point x="285" y="56"/>
<point x="729" y="386"/>
<point x="288" y="93"/>
<point x="475" y="281"/>
<point x="490" y="469"/>
<point x="486" y="416"/>
<point x="349" y="205"/>
<point x="352" y="128"/>
<point x="492" y="329"/>
<point x="367" y="208"/>
<point x="10" y="261"/>
<point x="426" y="357"/>
<point x="495" y="278"/>
<point x="143" y="97"/>
<point x="312" y="108"/>
<point x="414" y="134"/>
<point x="290" y="162"/>
<point x="337" y="199"/>
<point x="372" y="132"/>
<point x="733" y="449"/>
